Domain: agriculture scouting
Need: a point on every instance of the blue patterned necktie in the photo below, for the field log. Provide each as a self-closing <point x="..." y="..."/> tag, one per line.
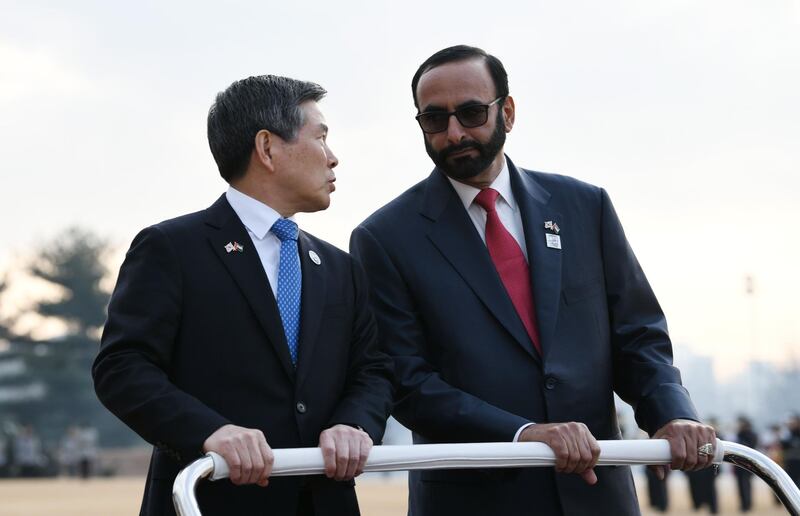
<point x="289" y="282"/>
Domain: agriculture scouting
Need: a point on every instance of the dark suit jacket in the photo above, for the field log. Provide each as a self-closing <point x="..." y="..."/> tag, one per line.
<point x="465" y="367"/>
<point x="194" y="341"/>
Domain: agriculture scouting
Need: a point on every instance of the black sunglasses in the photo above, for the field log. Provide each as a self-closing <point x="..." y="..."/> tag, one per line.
<point x="469" y="116"/>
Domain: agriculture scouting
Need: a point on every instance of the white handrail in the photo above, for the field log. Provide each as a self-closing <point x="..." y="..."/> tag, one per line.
<point x="308" y="461"/>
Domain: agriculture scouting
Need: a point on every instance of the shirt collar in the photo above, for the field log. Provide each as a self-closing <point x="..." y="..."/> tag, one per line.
<point x="256" y="216"/>
<point x="502" y="183"/>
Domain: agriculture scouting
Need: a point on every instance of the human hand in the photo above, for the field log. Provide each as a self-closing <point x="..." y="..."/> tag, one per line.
<point x="345" y="450"/>
<point x="575" y="448"/>
<point x="685" y="438"/>
<point x="246" y="452"/>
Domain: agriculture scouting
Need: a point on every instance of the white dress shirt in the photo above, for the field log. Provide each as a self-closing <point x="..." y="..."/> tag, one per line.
<point x="258" y="218"/>
<point x="507" y="210"/>
<point x="507" y="207"/>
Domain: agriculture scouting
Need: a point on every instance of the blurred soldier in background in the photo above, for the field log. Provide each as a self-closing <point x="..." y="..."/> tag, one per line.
<point x="702" y="484"/>
<point x="791" y="449"/>
<point x="747" y="437"/>
<point x="28" y="455"/>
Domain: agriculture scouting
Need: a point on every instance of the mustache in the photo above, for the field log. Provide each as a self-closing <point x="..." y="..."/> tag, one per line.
<point x="445" y="153"/>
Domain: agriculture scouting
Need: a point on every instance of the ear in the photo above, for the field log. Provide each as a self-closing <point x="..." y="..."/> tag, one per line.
<point x="263" y="148"/>
<point x="508" y="113"/>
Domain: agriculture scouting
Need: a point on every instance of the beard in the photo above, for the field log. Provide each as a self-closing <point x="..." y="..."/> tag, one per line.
<point x="466" y="167"/>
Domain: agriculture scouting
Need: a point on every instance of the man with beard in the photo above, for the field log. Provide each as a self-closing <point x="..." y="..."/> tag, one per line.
<point x="514" y="308"/>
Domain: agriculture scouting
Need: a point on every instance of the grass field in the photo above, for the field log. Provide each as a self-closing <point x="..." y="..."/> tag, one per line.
<point x="121" y="496"/>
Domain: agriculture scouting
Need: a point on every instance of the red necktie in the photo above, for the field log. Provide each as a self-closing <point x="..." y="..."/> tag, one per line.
<point x="510" y="264"/>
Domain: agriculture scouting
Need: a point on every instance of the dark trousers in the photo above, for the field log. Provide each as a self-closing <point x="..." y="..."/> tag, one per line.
<point x="657" y="491"/>
<point x="743" y="483"/>
<point x="305" y="503"/>
<point x="702" y="489"/>
<point x="85" y="468"/>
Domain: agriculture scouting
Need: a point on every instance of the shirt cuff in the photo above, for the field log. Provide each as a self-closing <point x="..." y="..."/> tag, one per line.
<point x="519" y="432"/>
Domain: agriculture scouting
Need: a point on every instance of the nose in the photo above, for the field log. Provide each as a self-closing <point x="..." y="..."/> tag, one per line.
<point x="455" y="131"/>
<point x="333" y="161"/>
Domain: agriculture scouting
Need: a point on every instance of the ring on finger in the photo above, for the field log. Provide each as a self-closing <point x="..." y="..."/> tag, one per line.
<point x="706" y="450"/>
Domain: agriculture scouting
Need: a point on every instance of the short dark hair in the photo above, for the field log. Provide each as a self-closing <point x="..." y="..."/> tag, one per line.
<point x="462" y="53"/>
<point x="246" y="107"/>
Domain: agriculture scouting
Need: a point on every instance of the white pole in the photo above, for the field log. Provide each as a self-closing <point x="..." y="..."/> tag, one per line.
<point x="308" y="461"/>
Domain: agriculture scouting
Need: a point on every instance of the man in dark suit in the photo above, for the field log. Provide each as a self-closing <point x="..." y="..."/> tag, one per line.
<point x="232" y="331"/>
<point x="514" y="308"/>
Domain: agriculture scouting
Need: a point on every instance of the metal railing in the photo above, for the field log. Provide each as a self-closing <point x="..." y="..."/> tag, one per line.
<point x="308" y="461"/>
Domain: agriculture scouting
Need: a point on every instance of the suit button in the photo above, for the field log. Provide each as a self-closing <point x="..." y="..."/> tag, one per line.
<point x="301" y="407"/>
<point x="550" y="383"/>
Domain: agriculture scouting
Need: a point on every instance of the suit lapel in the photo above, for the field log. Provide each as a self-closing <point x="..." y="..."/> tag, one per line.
<point x="545" y="263"/>
<point x="455" y="237"/>
<point x="223" y="226"/>
<point x="312" y="304"/>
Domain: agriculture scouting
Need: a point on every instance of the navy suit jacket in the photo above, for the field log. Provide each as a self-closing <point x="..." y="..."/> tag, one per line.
<point x="194" y="341"/>
<point x="466" y="369"/>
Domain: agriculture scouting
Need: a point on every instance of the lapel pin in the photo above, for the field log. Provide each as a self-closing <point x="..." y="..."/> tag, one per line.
<point x="234" y="246"/>
<point x="314" y="257"/>
<point x="552" y="226"/>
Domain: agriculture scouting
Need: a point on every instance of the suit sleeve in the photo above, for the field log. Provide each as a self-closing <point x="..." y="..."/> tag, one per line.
<point x="424" y="402"/>
<point x="132" y="370"/>
<point x="643" y="372"/>
<point x="367" y="400"/>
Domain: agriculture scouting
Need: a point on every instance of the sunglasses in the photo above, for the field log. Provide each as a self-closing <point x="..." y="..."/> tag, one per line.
<point x="469" y="116"/>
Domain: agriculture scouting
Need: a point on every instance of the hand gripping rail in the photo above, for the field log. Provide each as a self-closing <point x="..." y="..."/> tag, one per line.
<point x="308" y="461"/>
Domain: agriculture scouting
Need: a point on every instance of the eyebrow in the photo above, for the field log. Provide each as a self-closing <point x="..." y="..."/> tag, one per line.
<point x="435" y="109"/>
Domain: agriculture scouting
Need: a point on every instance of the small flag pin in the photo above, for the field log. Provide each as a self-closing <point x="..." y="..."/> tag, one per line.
<point x="234" y="246"/>
<point x="552" y="226"/>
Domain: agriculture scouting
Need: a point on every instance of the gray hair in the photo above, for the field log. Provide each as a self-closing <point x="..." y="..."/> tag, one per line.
<point x="246" y="107"/>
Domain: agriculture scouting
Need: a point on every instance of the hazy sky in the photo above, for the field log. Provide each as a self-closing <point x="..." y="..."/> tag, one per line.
<point x="687" y="112"/>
